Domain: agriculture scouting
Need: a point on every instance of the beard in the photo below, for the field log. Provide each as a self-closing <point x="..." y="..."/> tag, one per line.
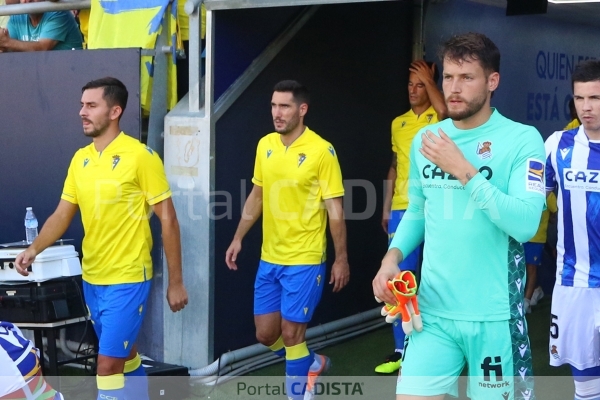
<point x="472" y="108"/>
<point x="98" y="129"/>
<point x="290" y="126"/>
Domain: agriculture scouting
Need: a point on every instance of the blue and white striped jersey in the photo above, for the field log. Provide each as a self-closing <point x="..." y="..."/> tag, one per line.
<point x="573" y="167"/>
<point x="18" y="359"/>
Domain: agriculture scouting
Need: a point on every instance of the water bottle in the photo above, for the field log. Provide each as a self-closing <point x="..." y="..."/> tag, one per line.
<point x="31" y="225"/>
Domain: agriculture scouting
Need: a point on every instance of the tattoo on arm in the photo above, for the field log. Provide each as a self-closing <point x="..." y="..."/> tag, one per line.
<point x="469" y="176"/>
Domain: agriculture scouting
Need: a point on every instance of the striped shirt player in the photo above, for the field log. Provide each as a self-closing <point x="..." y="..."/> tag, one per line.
<point x="573" y="169"/>
<point x="20" y="371"/>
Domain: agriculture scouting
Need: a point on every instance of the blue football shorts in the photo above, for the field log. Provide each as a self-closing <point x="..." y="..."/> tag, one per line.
<point x="294" y="290"/>
<point x="533" y="253"/>
<point x="412" y="261"/>
<point x="117" y="312"/>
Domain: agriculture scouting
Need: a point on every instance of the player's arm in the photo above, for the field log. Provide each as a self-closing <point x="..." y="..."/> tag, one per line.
<point x="176" y="293"/>
<point x="425" y="74"/>
<point x="549" y="173"/>
<point x="15" y="45"/>
<point x="389" y="193"/>
<point x="410" y="233"/>
<point x="250" y="214"/>
<point x="53" y="229"/>
<point x="340" y="271"/>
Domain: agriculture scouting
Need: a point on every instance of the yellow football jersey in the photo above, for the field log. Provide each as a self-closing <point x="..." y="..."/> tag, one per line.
<point x="542" y="233"/>
<point x="296" y="180"/>
<point x="114" y="190"/>
<point x="404" y="129"/>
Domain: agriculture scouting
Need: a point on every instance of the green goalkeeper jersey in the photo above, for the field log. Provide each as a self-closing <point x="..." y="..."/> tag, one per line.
<point x="473" y="262"/>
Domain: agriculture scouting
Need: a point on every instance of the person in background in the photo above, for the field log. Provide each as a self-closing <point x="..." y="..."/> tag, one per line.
<point x="427" y="106"/>
<point x="53" y="30"/>
<point x="116" y="183"/>
<point x="298" y="188"/>
<point x="20" y="368"/>
<point x="575" y="122"/>
<point x="533" y="255"/>
<point x="573" y="168"/>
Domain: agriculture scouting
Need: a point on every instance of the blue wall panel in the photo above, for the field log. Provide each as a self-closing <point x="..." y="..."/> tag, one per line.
<point x="537" y="57"/>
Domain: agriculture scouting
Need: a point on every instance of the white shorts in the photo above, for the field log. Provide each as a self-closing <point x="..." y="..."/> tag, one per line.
<point x="574" y="328"/>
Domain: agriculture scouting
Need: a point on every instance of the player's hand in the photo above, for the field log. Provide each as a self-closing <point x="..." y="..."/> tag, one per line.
<point x="389" y="269"/>
<point x="423" y="71"/>
<point x="385" y="220"/>
<point x="444" y="153"/>
<point x="231" y="255"/>
<point x="340" y="274"/>
<point x="24" y="260"/>
<point x="177" y="296"/>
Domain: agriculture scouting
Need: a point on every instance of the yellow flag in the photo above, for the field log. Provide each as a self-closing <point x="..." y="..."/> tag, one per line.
<point x="135" y="23"/>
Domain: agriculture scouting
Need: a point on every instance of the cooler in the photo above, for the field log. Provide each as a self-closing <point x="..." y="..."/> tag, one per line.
<point x="54" y="262"/>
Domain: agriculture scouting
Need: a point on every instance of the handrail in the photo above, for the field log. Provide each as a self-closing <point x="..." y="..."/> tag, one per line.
<point x="191" y="6"/>
<point x="44" y="6"/>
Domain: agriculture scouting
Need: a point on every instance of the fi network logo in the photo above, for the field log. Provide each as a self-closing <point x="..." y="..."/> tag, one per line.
<point x="488" y="367"/>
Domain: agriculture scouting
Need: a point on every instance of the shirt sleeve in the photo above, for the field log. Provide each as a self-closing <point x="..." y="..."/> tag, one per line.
<point x="394" y="147"/>
<point x="551" y="203"/>
<point x="56" y="26"/>
<point x="411" y="230"/>
<point x="69" y="192"/>
<point x="13" y="29"/>
<point x="517" y="212"/>
<point x="151" y="177"/>
<point x="330" y="175"/>
<point x="550" y="147"/>
<point x="257" y="178"/>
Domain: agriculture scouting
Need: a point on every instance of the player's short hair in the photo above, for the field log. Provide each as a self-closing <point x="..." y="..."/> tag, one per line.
<point x="472" y="46"/>
<point x="115" y="92"/>
<point x="298" y="90"/>
<point x="586" y="71"/>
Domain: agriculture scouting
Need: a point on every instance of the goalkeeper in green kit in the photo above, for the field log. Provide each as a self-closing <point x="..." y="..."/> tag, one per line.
<point x="476" y="191"/>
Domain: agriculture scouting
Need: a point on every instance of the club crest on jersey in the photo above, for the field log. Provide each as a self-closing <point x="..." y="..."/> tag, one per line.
<point x="484" y="150"/>
<point x="301" y="158"/>
<point x="269" y="152"/>
<point x="554" y="352"/>
<point x="429" y="118"/>
<point x="85" y="162"/>
<point x="535" y="176"/>
<point x="116" y="159"/>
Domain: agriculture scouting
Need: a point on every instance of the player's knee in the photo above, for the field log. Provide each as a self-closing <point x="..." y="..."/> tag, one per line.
<point x="266" y="337"/>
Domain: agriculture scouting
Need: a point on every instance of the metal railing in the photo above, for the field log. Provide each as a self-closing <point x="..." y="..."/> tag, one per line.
<point x="44" y="6"/>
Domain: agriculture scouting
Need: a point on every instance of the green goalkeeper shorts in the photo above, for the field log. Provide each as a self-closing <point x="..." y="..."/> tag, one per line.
<point x="497" y="354"/>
